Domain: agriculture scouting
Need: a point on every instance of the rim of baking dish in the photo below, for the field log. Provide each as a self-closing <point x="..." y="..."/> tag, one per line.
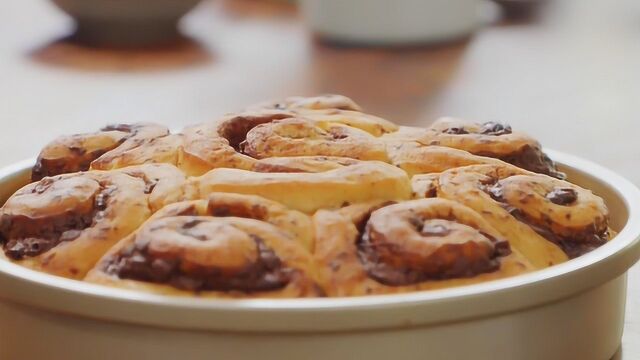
<point x="36" y="289"/>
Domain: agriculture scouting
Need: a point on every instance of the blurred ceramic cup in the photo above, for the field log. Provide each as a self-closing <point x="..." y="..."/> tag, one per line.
<point x="126" y="22"/>
<point x="391" y="22"/>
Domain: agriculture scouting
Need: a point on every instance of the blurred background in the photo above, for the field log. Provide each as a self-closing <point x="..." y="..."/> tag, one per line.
<point x="565" y="71"/>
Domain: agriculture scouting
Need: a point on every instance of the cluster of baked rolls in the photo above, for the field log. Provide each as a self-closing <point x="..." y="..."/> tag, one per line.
<point x="305" y="197"/>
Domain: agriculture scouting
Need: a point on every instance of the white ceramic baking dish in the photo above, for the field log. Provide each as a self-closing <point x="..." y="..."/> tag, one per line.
<point x="571" y="311"/>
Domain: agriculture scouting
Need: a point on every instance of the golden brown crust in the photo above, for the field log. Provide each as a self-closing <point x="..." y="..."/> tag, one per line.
<point x="68" y="154"/>
<point x="415" y="158"/>
<point x="160" y="150"/>
<point x="490" y="139"/>
<point x="221" y="247"/>
<point x="64" y="224"/>
<point x="521" y="205"/>
<point x="308" y="192"/>
<point x="163" y="183"/>
<point x="302" y="164"/>
<point x="373" y="125"/>
<point x="215" y="144"/>
<point x="378" y="248"/>
<point x="295" y="198"/>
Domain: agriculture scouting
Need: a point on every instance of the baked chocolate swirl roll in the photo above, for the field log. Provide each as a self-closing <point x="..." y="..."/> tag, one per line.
<point x="345" y="182"/>
<point x="64" y="224"/>
<point x="535" y="208"/>
<point x="228" y="246"/>
<point x="491" y="139"/>
<point x="80" y="152"/>
<point x="303" y="137"/>
<point x="416" y="158"/>
<point x="420" y="244"/>
<point x="216" y="144"/>
<point x="305" y="126"/>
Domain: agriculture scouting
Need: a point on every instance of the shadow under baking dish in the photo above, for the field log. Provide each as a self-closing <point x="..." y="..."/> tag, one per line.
<point x="611" y="261"/>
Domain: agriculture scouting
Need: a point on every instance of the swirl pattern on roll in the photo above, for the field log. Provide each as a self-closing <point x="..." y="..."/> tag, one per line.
<point x="68" y="154"/>
<point x="489" y="139"/>
<point x="492" y="139"/>
<point x="227" y="246"/>
<point x="384" y="247"/>
<point x="63" y="224"/>
<point x="566" y="215"/>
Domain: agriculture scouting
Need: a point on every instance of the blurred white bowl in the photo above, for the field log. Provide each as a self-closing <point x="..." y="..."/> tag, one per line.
<point x="385" y="22"/>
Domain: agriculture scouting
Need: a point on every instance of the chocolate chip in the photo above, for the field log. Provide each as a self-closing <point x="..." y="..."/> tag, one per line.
<point x="495" y="129"/>
<point x="220" y="211"/>
<point x="455" y="131"/>
<point x="417" y="223"/>
<point x="191" y="223"/>
<point x="435" y="230"/>
<point x="502" y="247"/>
<point x="562" y="196"/>
<point x="338" y="133"/>
<point x="17" y="250"/>
<point x="150" y="186"/>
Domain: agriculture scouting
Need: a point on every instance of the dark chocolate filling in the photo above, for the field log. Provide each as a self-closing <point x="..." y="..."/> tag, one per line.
<point x="562" y="196"/>
<point x="266" y="273"/>
<point x="573" y="246"/>
<point x="235" y="129"/>
<point x="22" y="236"/>
<point x="81" y="161"/>
<point x="388" y="274"/>
<point x="530" y="158"/>
<point x="488" y="128"/>
<point x="255" y="211"/>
